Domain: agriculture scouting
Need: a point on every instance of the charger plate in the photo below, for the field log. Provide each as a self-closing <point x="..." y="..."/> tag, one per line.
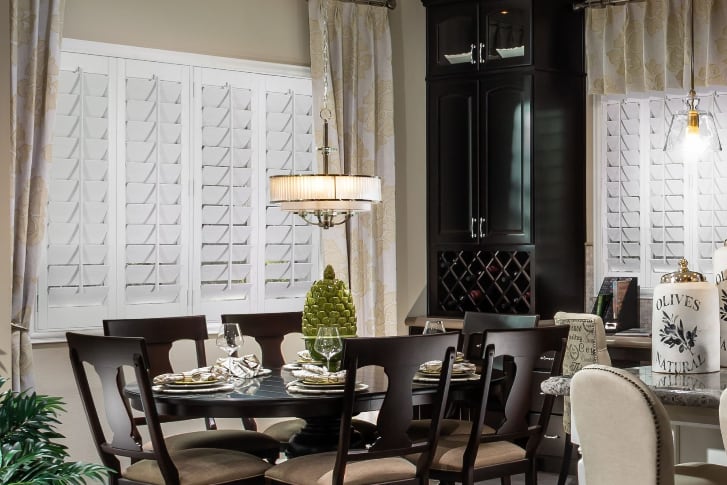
<point x="458" y="378"/>
<point x="303" y="388"/>
<point x="220" y="387"/>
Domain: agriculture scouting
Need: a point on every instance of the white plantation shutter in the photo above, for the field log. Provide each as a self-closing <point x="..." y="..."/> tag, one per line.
<point x="155" y="200"/>
<point x="158" y="199"/>
<point x="226" y="149"/>
<point x="291" y="245"/>
<point x="622" y="205"/>
<point x="654" y="207"/>
<point x="75" y="289"/>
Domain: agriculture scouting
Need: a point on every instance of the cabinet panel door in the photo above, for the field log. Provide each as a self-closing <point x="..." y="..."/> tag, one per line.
<point x="505" y="173"/>
<point x="452" y="157"/>
<point x="505" y="33"/>
<point x="453" y="41"/>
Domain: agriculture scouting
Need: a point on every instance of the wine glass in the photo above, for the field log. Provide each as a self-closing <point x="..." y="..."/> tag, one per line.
<point x="328" y="343"/>
<point x="229" y="338"/>
<point x="433" y="326"/>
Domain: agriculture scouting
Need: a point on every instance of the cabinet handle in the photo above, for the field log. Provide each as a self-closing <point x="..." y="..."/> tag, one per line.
<point x="473" y="59"/>
<point x="482" y="59"/>
<point x="551" y="436"/>
<point x="481" y="231"/>
<point x="473" y="235"/>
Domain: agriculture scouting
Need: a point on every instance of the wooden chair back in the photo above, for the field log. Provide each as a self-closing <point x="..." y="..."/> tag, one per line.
<point x="525" y="347"/>
<point x="108" y="356"/>
<point x="400" y="358"/>
<point x="268" y="330"/>
<point x="475" y="324"/>
<point x="159" y="334"/>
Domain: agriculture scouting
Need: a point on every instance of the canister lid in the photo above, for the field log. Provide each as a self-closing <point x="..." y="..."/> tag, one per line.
<point x="684" y="275"/>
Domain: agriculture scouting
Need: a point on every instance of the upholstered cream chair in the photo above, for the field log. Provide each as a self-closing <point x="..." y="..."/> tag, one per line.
<point x="586" y="345"/>
<point x="625" y="433"/>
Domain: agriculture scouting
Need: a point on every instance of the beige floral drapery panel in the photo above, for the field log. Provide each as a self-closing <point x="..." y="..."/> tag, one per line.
<point x="362" y="131"/>
<point x="645" y="46"/>
<point x="34" y="57"/>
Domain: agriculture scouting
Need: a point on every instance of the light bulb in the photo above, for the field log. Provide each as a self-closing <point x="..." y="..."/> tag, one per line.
<point x="694" y="143"/>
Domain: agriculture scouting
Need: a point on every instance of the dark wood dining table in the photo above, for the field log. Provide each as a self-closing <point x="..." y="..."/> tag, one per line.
<point x="268" y="397"/>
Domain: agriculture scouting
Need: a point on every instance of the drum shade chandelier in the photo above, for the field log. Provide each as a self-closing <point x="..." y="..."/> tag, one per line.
<point x="692" y="129"/>
<point x="325" y="200"/>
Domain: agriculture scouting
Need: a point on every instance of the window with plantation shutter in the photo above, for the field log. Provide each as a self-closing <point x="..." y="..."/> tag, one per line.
<point x="653" y="207"/>
<point x="158" y="193"/>
<point x="78" y="277"/>
<point x="290" y="244"/>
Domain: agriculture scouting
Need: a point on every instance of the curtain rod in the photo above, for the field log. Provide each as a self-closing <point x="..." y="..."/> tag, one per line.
<point x="600" y="3"/>
<point x="390" y="4"/>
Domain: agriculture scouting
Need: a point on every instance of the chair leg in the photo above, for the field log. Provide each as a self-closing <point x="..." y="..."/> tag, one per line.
<point x="249" y="423"/>
<point x="565" y="464"/>
<point x="505" y="480"/>
<point x="531" y="476"/>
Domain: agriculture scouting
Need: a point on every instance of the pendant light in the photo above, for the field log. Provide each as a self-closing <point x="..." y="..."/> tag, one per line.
<point x="692" y="129"/>
<point x="325" y="200"/>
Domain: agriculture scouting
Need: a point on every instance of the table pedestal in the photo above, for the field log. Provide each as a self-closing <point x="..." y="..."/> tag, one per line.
<point x="320" y="434"/>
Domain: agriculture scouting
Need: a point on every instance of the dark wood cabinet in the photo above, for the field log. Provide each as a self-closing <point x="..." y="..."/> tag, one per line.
<point x="505" y="156"/>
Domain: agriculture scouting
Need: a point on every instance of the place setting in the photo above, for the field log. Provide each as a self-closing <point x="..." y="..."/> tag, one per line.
<point x="461" y="370"/>
<point x="320" y="379"/>
<point x="226" y="374"/>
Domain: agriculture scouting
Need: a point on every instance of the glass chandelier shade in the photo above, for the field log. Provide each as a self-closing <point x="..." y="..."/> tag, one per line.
<point x="692" y="129"/>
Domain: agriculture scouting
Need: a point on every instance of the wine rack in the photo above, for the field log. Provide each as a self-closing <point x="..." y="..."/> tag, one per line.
<point x="484" y="281"/>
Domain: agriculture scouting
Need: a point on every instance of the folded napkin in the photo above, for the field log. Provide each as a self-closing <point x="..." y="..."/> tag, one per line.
<point x="238" y="367"/>
<point x="319" y="375"/>
<point x="304" y="356"/>
<point x="224" y="369"/>
<point x="435" y="366"/>
<point x="203" y="374"/>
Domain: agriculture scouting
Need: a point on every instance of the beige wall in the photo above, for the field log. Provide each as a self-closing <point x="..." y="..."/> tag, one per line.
<point x="5" y="269"/>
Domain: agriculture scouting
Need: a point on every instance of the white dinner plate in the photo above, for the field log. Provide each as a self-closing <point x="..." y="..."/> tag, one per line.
<point x="425" y="378"/>
<point x="301" y="388"/>
<point x="221" y="387"/>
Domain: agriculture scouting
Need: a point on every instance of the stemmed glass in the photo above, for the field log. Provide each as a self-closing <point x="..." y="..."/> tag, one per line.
<point x="229" y="339"/>
<point x="328" y="343"/>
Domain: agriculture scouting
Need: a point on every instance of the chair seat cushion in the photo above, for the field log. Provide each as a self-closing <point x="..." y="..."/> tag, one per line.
<point x="419" y="428"/>
<point x="450" y="453"/>
<point x="200" y="466"/>
<point x="258" y="444"/>
<point x="700" y="474"/>
<point x="318" y="470"/>
<point x="283" y="430"/>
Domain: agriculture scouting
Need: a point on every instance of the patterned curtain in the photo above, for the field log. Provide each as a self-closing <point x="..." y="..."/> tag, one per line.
<point x="362" y="132"/>
<point x="645" y="46"/>
<point x="34" y="57"/>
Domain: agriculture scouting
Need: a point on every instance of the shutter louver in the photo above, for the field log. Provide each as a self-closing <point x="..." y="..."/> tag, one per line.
<point x="154" y="135"/>
<point x="622" y="187"/>
<point x="666" y="239"/>
<point x="711" y="191"/>
<point x="227" y="147"/>
<point x="289" y="241"/>
<point x="78" y="257"/>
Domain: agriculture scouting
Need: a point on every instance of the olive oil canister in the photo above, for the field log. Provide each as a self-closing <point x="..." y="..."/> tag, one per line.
<point x="685" y="324"/>
<point x="719" y="264"/>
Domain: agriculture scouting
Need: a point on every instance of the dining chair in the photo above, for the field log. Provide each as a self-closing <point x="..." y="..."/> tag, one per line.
<point x="158" y="465"/>
<point x="511" y="446"/>
<point x="385" y="461"/>
<point x="159" y="335"/>
<point x="586" y="345"/>
<point x="474" y="326"/>
<point x="634" y="445"/>
<point x="269" y="331"/>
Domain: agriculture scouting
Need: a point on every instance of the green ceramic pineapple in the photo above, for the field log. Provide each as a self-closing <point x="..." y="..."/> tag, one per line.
<point x="328" y="304"/>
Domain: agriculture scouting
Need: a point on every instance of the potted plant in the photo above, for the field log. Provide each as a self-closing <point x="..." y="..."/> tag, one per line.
<point x="28" y="452"/>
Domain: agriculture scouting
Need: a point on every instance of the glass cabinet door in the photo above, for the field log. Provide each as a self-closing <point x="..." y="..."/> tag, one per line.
<point x="505" y="30"/>
<point x="453" y="45"/>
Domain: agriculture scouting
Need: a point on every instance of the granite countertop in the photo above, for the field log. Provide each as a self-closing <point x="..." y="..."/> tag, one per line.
<point x="696" y="390"/>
